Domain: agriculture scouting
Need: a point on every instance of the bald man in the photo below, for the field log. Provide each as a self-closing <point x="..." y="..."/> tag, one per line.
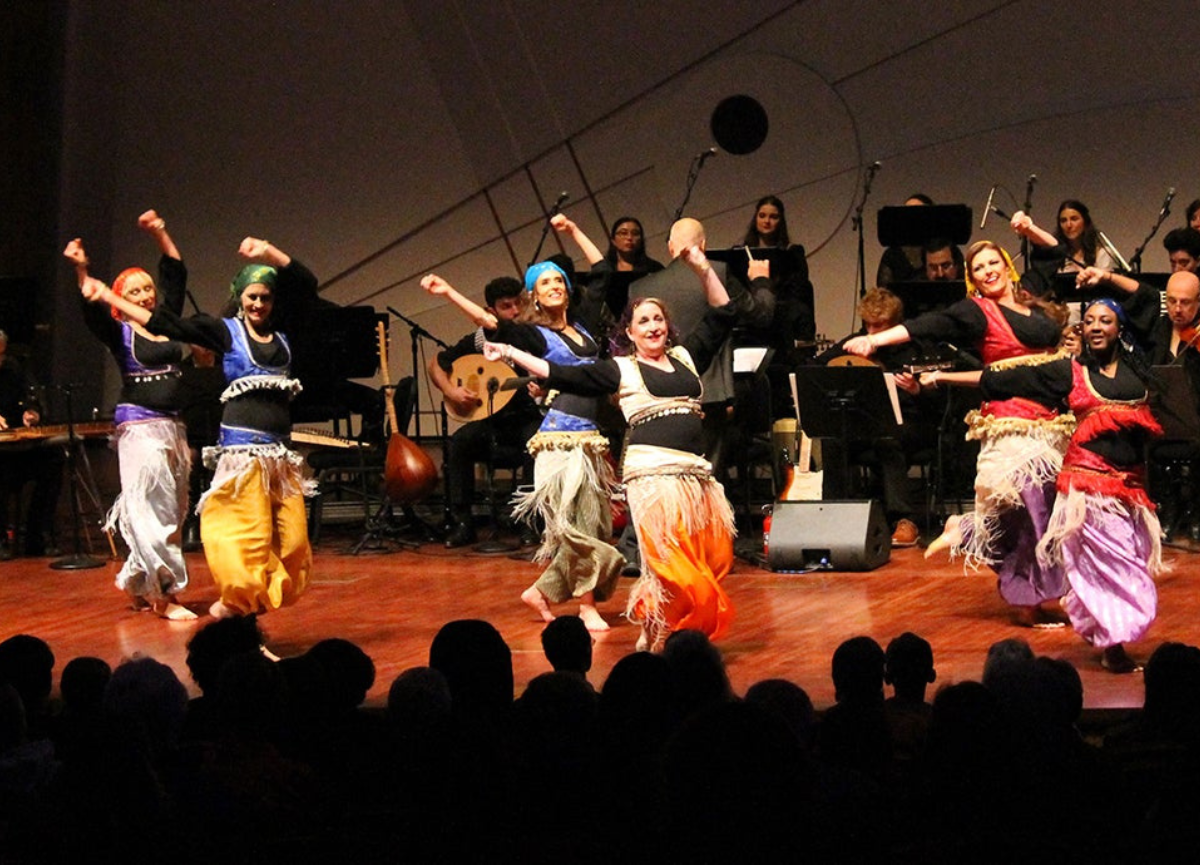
<point x="676" y="286"/>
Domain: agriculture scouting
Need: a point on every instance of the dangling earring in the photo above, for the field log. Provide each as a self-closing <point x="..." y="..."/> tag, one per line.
<point x="240" y="315"/>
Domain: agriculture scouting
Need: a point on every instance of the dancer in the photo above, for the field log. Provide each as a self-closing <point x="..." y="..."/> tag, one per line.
<point x="252" y="519"/>
<point x="1103" y="532"/>
<point x="684" y="522"/>
<point x="151" y="442"/>
<point x="572" y="476"/>
<point x="1022" y="440"/>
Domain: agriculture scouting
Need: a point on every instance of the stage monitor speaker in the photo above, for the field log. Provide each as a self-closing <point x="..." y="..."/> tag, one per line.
<point x="829" y="535"/>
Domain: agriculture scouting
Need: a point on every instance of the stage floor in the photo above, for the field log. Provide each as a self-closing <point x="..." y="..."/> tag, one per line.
<point x="391" y="603"/>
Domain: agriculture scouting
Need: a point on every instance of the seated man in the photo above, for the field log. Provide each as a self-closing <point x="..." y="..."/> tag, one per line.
<point x="512" y="425"/>
<point x="879" y="310"/>
<point x="25" y="461"/>
<point x="1183" y="248"/>
<point x="943" y="261"/>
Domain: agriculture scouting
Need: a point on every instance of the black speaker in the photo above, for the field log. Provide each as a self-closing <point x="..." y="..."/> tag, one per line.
<point x="830" y="535"/>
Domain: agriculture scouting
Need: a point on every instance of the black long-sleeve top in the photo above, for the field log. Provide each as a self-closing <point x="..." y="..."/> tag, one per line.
<point x="679" y="431"/>
<point x="964" y="324"/>
<point x="267" y="410"/>
<point x="162" y="392"/>
<point x="1050" y="384"/>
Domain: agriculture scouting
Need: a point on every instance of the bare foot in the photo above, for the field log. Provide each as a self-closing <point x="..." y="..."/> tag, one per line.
<point x="950" y="537"/>
<point x="219" y="611"/>
<point x="592" y="618"/>
<point x="169" y="608"/>
<point x="643" y="641"/>
<point x="537" y="600"/>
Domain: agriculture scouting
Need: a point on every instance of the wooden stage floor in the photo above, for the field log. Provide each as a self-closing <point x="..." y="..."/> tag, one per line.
<point x="392" y="604"/>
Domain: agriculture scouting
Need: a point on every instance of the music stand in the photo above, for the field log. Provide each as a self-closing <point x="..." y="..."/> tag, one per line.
<point x="847" y="403"/>
<point x="923" y="295"/>
<point x="78" y="560"/>
<point x="916" y="226"/>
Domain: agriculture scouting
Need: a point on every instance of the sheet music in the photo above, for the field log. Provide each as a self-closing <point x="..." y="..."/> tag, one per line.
<point x="890" y="380"/>
<point x="748" y="358"/>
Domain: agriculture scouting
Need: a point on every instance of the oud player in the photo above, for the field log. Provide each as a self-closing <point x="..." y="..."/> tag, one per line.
<point x="510" y="426"/>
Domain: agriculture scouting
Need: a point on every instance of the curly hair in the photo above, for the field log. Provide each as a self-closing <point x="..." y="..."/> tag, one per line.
<point x="620" y="344"/>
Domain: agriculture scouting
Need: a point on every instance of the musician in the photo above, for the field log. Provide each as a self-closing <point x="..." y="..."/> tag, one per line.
<point x="512" y="426"/>
<point x="792" y="319"/>
<point x="252" y="518"/>
<point x="151" y="442"/>
<point x="1183" y="248"/>
<point x="902" y="263"/>
<point x="1074" y="244"/>
<point x="943" y="261"/>
<point x="38" y="464"/>
<point x="879" y="309"/>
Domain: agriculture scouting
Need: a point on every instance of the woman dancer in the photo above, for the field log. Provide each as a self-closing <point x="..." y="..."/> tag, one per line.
<point x="1103" y="532"/>
<point x="252" y="519"/>
<point x="1022" y="440"/>
<point x="572" y="477"/>
<point x="151" y="442"/>
<point x="684" y="523"/>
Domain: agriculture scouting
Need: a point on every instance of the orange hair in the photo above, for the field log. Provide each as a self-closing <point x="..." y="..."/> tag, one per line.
<point x="118" y="286"/>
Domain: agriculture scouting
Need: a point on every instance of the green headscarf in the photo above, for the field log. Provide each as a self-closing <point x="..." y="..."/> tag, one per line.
<point x="252" y="274"/>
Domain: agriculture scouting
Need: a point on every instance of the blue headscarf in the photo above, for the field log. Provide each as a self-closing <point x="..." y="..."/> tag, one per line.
<point x="1123" y="336"/>
<point x="536" y="270"/>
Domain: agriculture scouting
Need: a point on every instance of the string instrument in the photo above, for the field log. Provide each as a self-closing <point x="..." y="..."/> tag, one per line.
<point x="484" y="378"/>
<point x="409" y="473"/>
<point x="37" y="433"/>
<point x="320" y="438"/>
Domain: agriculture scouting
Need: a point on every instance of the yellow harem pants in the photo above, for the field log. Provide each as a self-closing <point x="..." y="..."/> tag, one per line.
<point x="255" y="542"/>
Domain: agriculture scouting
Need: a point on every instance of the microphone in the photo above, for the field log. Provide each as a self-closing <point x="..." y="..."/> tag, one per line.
<point x="1166" y="205"/>
<point x="557" y="208"/>
<point x="706" y="154"/>
<point x="1032" y="179"/>
<point x="987" y="208"/>
<point x="873" y="168"/>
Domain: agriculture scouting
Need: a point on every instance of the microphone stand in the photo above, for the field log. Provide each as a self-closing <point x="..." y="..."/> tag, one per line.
<point x="77" y="561"/>
<point x="1135" y="261"/>
<point x="856" y="224"/>
<point x="416" y="332"/>
<point x="493" y="544"/>
<point x="1028" y="208"/>
<point x="554" y="211"/>
<point x="693" y="175"/>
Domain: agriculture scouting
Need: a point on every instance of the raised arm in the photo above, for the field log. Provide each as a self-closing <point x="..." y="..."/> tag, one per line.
<point x="262" y="251"/>
<point x="568" y="228"/>
<point x="154" y="225"/>
<point x="1024" y="226"/>
<point x="438" y="287"/>
<point x="75" y="254"/>
<point x="714" y="289"/>
<point x="95" y="291"/>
